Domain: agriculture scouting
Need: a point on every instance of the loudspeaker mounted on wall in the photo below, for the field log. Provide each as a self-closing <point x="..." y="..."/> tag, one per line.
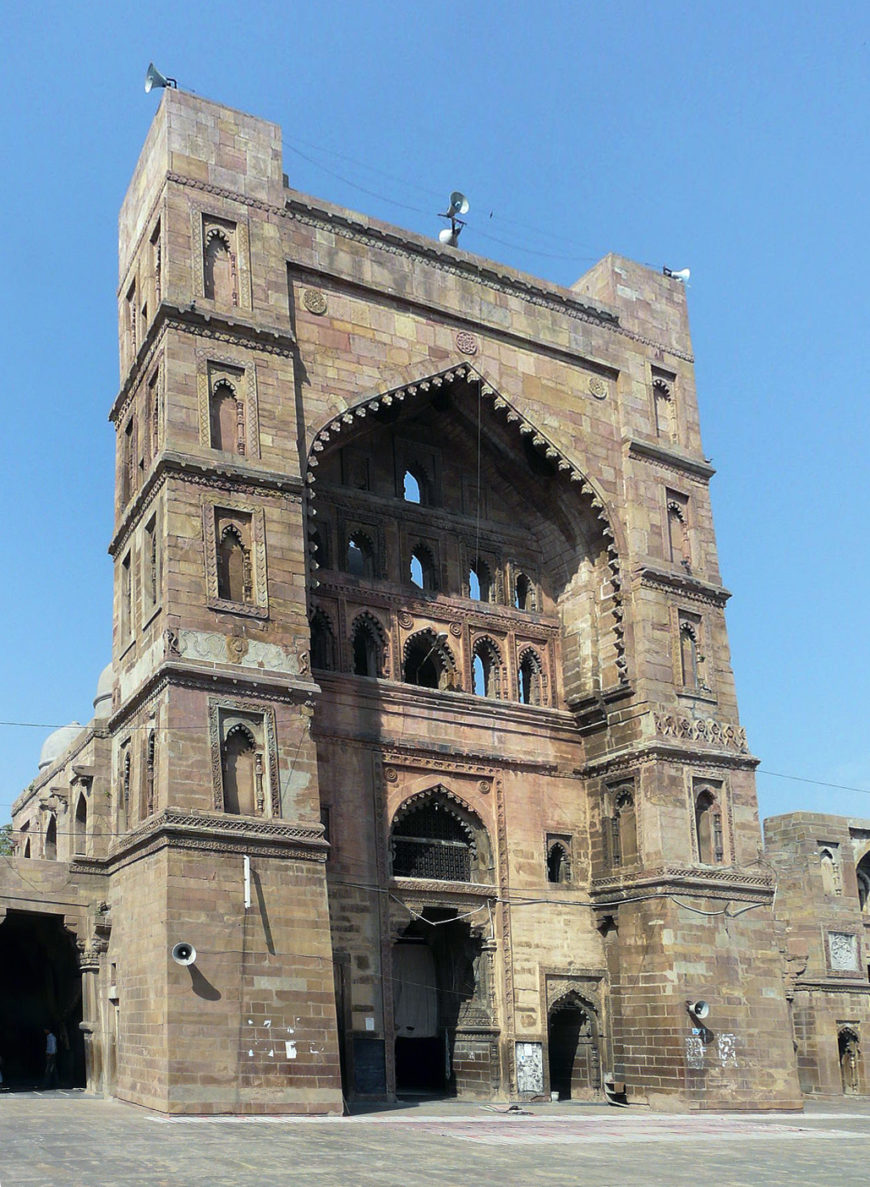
<point x="184" y="953"/>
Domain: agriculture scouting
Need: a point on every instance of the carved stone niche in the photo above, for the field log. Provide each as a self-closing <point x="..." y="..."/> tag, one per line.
<point x="586" y="987"/>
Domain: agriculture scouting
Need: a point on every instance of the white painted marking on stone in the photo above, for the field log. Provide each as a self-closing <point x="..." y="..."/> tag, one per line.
<point x="267" y="1023"/>
<point x="290" y="1048"/>
<point x="251" y="1053"/>
<point x="727" y="1049"/>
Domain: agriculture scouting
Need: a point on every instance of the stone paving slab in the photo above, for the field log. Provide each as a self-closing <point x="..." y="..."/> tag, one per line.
<point x="78" y="1141"/>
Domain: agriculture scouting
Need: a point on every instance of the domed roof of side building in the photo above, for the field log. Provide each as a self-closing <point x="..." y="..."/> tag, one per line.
<point x="57" y="742"/>
<point x="103" y="699"/>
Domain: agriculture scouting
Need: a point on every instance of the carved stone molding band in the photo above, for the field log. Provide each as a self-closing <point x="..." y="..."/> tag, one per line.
<point x="705" y="729"/>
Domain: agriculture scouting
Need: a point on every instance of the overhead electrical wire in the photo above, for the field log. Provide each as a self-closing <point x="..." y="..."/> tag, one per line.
<point x="524" y="246"/>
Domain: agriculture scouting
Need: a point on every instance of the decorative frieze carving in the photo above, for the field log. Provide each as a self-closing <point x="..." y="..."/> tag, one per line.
<point x="843" y="949"/>
<point x="731" y="881"/>
<point x="703" y="729"/>
<point x="215" y="647"/>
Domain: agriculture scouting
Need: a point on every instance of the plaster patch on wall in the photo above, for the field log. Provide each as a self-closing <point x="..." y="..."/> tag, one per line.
<point x="530" y="1067"/>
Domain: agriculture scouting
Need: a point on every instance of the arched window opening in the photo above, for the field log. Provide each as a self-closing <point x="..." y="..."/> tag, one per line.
<point x="523" y="593"/>
<point x="624" y="829"/>
<point x="51" y="839"/>
<point x="322" y="643"/>
<point x="219" y="270"/>
<point x="558" y="866"/>
<point x="80" y="826"/>
<point x="485" y="667"/>
<point x="227" y="420"/>
<point x="150" y="772"/>
<point x="411" y="489"/>
<point x="368" y="648"/>
<point x="416" y="487"/>
<point x="242" y="766"/>
<point x="432" y="841"/>
<point x="422" y="569"/>
<point x="678" y="536"/>
<point x="688" y="656"/>
<point x="480" y="582"/>
<point x="664" y="409"/>
<point x="427" y="662"/>
<point x="708" y="827"/>
<point x="830" y="867"/>
<point x="26" y="851"/>
<point x="360" y="557"/>
<point x="863" y="872"/>
<point x="530" y="681"/>
<point x="124" y="792"/>
<point x="234" y="567"/>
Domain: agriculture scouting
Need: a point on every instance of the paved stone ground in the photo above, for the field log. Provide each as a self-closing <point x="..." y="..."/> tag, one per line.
<point x="68" y="1139"/>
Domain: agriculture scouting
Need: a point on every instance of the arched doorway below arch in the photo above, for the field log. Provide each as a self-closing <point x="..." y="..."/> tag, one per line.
<point x="442" y="1023"/>
<point x="574" y="1058"/>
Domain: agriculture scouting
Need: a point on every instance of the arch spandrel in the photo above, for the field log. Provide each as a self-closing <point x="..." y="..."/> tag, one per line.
<point x="354" y="414"/>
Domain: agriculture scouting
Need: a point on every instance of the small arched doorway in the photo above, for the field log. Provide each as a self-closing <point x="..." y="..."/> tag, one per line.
<point x="40" y="987"/>
<point x="574" y="1058"/>
<point x="849" y="1050"/>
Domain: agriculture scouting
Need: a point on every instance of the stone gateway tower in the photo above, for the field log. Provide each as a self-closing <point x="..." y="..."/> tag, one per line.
<point x="422" y="730"/>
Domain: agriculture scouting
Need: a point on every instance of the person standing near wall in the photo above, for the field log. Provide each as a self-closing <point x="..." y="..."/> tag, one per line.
<point x="49" y="1079"/>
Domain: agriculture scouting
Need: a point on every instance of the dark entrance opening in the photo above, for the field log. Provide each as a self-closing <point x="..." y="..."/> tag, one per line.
<point x="434" y="983"/>
<point x="575" y="1067"/>
<point x="40" y="986"/>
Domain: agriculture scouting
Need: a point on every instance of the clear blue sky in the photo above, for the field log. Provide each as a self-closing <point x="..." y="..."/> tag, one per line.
<point x="729" y="138"/>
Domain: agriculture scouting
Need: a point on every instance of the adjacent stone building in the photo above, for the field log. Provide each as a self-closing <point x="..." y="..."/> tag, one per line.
<point x="420" y="726"/>
<point x="822" y="867"/>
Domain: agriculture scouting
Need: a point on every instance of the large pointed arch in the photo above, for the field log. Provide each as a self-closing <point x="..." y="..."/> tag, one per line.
<point x="535" y="443"/>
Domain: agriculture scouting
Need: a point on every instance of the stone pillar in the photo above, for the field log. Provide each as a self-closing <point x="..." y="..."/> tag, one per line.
<point x="89" y="963"/>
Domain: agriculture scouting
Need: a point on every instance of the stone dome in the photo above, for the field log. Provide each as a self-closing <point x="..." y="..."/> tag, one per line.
<point x="55" y="744"/>
<point x="103" y="699"/>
